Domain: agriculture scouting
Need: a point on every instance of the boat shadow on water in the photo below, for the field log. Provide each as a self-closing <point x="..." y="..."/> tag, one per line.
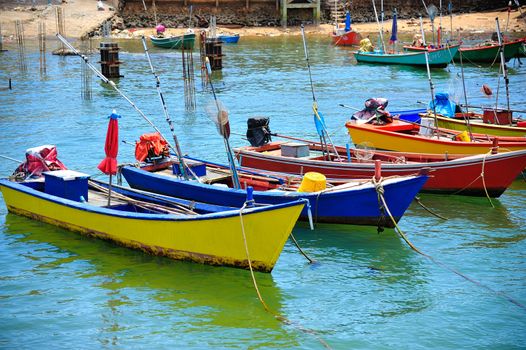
<point x="201" y="295"/>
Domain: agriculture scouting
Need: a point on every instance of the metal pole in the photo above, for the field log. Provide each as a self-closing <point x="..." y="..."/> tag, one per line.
<point x="178" y="152"/>
<point x="431" y="87"/>
<point x="504" y="70"/>
<point x="379" y="29"/>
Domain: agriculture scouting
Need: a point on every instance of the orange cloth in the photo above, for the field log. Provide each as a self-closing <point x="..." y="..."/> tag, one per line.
<point x="150" y="145"/>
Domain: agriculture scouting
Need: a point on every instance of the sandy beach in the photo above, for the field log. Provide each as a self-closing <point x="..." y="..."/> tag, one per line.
<point x="82" y="17"/>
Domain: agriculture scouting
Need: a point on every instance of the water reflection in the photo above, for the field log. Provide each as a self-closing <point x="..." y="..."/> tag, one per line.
<point x="129" y="289"/>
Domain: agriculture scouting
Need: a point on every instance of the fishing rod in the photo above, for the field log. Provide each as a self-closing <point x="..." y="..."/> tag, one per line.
<point x="110" y="83"/>
<point x="378" y="24"/>
<point x="179" y="154"/>
<point x="504" y="71"/>
<point x="224" y="127"/>
<point x="431" y="86"/>
<point x="318" y="118"/>
<point x="12" y="159"/>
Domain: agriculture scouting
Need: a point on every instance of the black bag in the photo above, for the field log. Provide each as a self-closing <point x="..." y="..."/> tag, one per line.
<point x="258" y="131"/>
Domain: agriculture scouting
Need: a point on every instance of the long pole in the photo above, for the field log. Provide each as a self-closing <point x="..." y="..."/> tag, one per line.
<point x="235" y="177"/>
<point x="110" y="83"/>
<point x="466" y="116"/>
<point x="182" y="165"/>
<point x="504" y="71"/>
<point x="431" y="86"/>
<point x="378" y="24"/>
<point x="314" y="101"/>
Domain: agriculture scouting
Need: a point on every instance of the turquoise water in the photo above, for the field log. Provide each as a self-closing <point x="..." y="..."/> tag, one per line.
<point x="367" y="290"/>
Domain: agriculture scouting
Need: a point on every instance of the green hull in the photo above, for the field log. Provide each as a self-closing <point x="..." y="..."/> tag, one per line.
<point x="437" y="58"/>
<point x="489" y="53"/>
<point x="185" y="41"/>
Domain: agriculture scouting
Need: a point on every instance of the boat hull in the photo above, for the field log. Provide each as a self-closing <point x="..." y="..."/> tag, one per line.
<point x="473" y="175"/>
<point x="381" y="137"/>
<point x="477" y="126"/>
<point x="229" y="39"/>
<point x="185" y="41"/>
<point x="357" y="206"/>
<point x="436" y="58"/>
<point x="215" y="239"/>
<point x="346" y="39"/>
<point x="489" y="53"/>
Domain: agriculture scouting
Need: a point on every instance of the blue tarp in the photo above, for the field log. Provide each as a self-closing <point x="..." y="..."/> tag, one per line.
<point x="443" y="105"/>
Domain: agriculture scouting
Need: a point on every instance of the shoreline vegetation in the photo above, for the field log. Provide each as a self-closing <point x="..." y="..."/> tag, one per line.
<point x="82" y="18"/>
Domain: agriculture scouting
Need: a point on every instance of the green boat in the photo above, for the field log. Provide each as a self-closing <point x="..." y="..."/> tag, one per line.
<point x="185" y="41"/>
<point x="438" y="58"/>
<point x="490" y="52"/>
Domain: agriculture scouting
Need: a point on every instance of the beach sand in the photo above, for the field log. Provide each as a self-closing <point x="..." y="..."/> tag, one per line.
<point x="82" y="17"/>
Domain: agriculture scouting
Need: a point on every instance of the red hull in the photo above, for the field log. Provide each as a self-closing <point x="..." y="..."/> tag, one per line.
<point x="455" y="176"/>
<point x="346" y="39"/>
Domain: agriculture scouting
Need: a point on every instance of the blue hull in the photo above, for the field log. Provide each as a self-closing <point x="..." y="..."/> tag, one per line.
<point x="229" y="39"/>
<point x="350" y="206"/>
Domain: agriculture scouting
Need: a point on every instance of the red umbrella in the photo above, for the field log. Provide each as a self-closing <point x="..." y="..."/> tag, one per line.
<point x="111" y="148"/>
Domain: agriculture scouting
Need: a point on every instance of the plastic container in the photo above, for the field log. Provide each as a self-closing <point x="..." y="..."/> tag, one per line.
<point x="313" y="182"/>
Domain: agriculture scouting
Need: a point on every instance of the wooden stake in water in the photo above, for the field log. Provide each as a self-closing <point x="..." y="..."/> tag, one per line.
<point x="202" y="55"/>
<point x="85" y="72"/>
<point x="188" y="78"/>
<point x="60" y="25"/>
<point x="19" y="32"/>
<point x="42" y="46"/>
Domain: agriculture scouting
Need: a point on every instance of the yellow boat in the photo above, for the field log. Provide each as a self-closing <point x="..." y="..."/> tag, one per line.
<point x="161" y="226"/>
<point x="479" y="126"/>
<point x="407" y="137"/>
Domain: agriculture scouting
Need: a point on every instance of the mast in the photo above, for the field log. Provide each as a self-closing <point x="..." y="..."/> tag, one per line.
<point x="379" y="28"/>
<point x="431" y="86"/>
<point x="504" y="71"/>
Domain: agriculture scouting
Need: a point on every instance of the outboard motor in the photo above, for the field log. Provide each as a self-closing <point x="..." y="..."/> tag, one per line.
<point x="258" y="131"/>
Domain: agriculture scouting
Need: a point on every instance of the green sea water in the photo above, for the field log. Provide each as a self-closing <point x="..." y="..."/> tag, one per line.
<point x="367" y="290"/>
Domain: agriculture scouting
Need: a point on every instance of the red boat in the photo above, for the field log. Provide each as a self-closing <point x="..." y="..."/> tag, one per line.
<point x="465" y="175"/>
<point x="342" y="38"/>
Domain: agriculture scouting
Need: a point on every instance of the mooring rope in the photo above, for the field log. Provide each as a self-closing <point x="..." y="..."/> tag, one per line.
<point x="417" y="199"/>
<point x="481" y="176"/>
<point x="467" y="278"/>
<point x="265" y="306"/>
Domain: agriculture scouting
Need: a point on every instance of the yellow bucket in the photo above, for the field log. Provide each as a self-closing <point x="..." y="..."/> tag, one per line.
<point x="313" y="182"/>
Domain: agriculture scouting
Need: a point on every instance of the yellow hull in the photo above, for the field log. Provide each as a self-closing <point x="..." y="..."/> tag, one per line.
<point x="480" y="128"/>
<point x="420" y="144"/>
<point x="215" y="239"/>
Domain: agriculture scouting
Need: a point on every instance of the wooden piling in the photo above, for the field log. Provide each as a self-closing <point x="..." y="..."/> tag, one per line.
<point x="109" y="60"/>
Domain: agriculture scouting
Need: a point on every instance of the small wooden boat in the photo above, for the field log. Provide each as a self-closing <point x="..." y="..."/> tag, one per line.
<point x="448" y="173"/>
<point x="355" y="202"/>
<point x="490" y="52"/>
<point x="439" y="58"/>
<point x="349" y="38"/>
<point x="229" y="38"/>
<point x="185" y="41"/>
<point x="161" y="226"/>
<point x="407" y="137"/>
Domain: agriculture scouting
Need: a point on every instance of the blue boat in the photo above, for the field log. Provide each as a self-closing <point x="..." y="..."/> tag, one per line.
<point x="229" y="39"/>
<point x="354" y="202"/>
